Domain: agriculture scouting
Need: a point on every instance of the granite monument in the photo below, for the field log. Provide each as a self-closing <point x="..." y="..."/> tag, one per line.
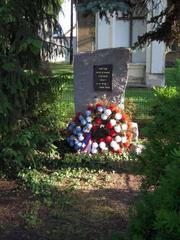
<point x="100" y="74"/>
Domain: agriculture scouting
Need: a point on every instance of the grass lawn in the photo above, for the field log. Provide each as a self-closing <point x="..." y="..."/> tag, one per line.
<point x="61" y="68"/>
<point x="142" y="97"/>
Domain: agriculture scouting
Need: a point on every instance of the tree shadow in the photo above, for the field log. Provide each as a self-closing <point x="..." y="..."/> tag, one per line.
<point x="71" y="214"/>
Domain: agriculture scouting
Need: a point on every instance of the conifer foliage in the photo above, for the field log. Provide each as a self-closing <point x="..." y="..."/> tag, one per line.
<point x="24" y="28"/>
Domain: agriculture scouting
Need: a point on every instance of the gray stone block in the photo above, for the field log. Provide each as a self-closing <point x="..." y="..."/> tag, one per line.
<point x="84" y="75"/>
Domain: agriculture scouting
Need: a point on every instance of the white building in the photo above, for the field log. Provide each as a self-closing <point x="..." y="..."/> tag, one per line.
<point x="148" y="65"/>
<point x="63" y="31"/>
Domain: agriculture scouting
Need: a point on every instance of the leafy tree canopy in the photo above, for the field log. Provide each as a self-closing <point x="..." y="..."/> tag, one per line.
<point x="166" y="21"/>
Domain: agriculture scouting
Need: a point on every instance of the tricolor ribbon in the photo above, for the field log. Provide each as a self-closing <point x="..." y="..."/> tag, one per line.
<point x="86" y="144"/>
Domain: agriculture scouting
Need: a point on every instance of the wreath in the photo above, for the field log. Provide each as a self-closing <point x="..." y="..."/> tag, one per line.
<point x="103" y="127"/>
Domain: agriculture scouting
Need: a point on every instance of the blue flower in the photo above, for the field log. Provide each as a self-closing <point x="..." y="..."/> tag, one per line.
<point x="80" y="137"/>
<point x="83" y="122"/>
<point x="88" y="113"/>
<point x="81" y="117"/>
<point x="71" y="143"/>
<point x="78" y="129"/>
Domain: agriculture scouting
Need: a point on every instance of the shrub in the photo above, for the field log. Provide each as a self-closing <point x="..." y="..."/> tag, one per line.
<point x="156" y="217"/>
<point x="163" y="133"/>
<point x="19" y="147"/>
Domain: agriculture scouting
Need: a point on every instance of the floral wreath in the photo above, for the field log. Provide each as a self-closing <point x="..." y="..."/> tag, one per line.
<point x="103" y="127"/>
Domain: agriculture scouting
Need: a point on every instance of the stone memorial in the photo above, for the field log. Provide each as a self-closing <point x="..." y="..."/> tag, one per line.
<point x="100" y="74"/>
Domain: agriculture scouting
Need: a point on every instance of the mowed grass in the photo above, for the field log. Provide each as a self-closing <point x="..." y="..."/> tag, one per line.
<point x="142" y="97"/>
<point x="61" y="68"/>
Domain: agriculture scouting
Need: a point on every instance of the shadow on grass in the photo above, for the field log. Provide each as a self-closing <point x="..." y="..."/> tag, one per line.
<point x="73" y="214"/>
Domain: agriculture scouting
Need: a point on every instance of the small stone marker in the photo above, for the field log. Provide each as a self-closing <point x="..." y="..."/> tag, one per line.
<point x="98" y="74"/>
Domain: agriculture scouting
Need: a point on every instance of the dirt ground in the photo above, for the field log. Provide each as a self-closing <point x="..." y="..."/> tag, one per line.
<point x="93" y="214"/>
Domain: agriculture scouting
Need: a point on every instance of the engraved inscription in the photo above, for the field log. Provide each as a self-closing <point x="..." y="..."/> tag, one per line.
<point x="103" y="77"/>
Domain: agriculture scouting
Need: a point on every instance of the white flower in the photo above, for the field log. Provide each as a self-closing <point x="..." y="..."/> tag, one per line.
<point x="95" y="145"/>
<point x="89" y="119"/>
<point x="100" y="109"/>
<point x="116" y="147"/>
<point x="94" y="150"/>
<point x="117" y="128"/>
<point x="113" y="122"/>
<point x="118" y="139"/>
<point x="134" y="125"/>
<point x="124" y="127"/>
<point x="118" y="116"/>
<point x="102" y="145"/>
<point x="85" y="130"/>
<point x="124" y="139"/>
<point x="138" y="150"/>
<point x="108" y="112"/>
<point x="104" y="116"/>
<point x="113" y="144"/>
<point x="89" y="125"/>
<point x="79" y="144"/>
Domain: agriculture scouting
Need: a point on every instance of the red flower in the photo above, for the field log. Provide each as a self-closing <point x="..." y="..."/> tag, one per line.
<point x="78" y="114"/>
<point x="124" y="117"/>
<point x="129" y="125"/>
<point x="119" y="151"/>
<point x="109" y="125"/>
<point x="94" y="128"/>
<point x="101" y="140"/>
<point x="108" y="139"/>
<point x="112" y="133"/>
<point x="112" y="107"/>
<point x="98" y="105"/>
<point x="98" y="121"/>
<point x="112" y="150"/>
<point x="129" y="135"/>
<point x="126" y="144"/>
<point x="75" y="119"/>
<point x="90" y="108"/>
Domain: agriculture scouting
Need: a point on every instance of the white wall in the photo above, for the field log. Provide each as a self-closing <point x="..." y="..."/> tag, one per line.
<point x="121" y="33"/>
<point x="155" y="58"/>
<point x="139" y="28"/>
<point x="116" y="34"/>
<point x="158" y="57"/>
<point x="103" y="33"/>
